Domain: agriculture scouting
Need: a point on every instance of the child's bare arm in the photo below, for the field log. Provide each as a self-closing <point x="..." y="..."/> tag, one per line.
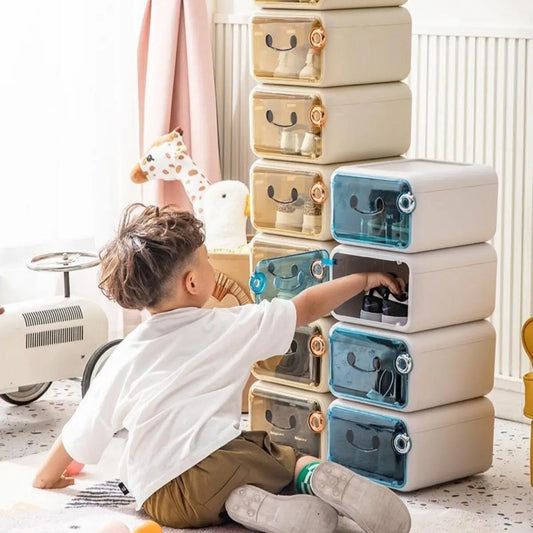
<point x="317" y="301"/>
<point x="50" y="475"/>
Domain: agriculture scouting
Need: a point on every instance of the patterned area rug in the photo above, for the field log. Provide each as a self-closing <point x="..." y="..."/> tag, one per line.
<point x="96" y="500"/>
<point x="91" y="503"/>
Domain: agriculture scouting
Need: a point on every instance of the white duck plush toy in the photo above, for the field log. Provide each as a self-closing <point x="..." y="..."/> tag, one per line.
<point x="226" y="209"/>
<point x="222" y="206"/>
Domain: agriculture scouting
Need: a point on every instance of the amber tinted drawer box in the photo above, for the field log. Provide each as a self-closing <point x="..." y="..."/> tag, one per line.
<point x="330" y="125"/>
<point x="306" y="364"/>
<point x="291" y="416"/>
<point x="331" y="48"/>
<point x="326" y="4"/>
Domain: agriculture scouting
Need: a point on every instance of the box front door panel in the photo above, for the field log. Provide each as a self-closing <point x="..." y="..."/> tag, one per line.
<point x="286" y="421"/>
<point x="288" y="202"/>
<point x="369" y="368"/>
<point x="285" y="277"/>
<point x="300" y="364"/>
<point x="287" y="124"/>
<point x="372" y="211"/>
<point x="283" y="47"/>
<point x="367" y="444"/>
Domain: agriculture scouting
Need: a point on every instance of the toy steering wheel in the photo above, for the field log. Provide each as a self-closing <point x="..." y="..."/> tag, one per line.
<point x="63" y="261"/>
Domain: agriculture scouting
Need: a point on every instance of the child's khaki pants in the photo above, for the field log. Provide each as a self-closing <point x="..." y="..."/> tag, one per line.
<point x="197" y="497"/>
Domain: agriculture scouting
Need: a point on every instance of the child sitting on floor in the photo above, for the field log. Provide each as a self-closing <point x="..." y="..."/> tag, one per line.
<point x="175" y="384"/>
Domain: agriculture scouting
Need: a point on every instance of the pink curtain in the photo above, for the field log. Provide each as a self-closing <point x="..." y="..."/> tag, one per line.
<point x="176" y="88"/>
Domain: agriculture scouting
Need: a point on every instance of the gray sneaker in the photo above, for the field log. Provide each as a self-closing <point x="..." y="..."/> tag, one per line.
<point x="373" y="507"/>
<point x="260" y="510"/>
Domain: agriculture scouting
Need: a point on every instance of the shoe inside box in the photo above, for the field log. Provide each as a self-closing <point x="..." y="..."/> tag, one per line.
<point x="351" y="264"/>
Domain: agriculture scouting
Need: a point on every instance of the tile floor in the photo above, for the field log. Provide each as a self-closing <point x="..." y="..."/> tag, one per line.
<point x="503" y="493"/>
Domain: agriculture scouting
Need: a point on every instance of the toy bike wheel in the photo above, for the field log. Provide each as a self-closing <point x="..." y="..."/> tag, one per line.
<point x="96" y="362"/>
<point x="27" y="394"/>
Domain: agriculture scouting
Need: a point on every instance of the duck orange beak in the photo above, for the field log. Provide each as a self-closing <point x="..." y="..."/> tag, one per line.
<point x="247" y="206"/>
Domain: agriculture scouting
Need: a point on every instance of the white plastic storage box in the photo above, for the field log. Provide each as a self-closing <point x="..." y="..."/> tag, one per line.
<point x="409" y="451"/>
<point x="412" y="371"/>
<point x="326" y="4"/>
<point x="331" y="48"/>
<point x="267" y="246"/>
<point x="292" y="198"/>
<point x="306" y="364"/>
<point x="413" y="205"/>
<point x="445" y="287"/>
<point x="291" y="416"/>
<point x="330" y="125"/>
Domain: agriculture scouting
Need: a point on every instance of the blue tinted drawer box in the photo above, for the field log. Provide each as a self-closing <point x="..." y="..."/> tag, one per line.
<point x="414" y="205"/>
<point x="408" y="451"/>
<point x="412" y="371"/>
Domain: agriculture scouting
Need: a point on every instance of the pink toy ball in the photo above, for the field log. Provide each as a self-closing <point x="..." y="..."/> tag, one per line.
<point x="74" y="468"/>
<point x="115" y="526"/>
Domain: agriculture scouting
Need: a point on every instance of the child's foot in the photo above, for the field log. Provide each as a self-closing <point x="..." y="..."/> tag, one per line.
<point x="262" y="511"/>
<point x="373" y="507"/>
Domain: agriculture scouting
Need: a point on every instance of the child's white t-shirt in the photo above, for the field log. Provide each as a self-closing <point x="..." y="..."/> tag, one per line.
<point x="175" y="383"/>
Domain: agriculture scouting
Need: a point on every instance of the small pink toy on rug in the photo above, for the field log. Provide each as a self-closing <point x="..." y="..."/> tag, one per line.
<point x="74" y="468"/>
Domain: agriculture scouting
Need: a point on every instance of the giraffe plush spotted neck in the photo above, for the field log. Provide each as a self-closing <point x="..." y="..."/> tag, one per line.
<point x="167" y="159"/>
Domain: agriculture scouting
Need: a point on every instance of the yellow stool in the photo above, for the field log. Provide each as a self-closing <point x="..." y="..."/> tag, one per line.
<point x="527" y="342"/>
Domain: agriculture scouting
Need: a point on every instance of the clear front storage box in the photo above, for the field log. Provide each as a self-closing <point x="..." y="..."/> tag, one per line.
<point x="330" y="125"/>
<point x="444" y="287"/>
<point x="331" y="48"/>
<point x="409" y="451"/>
<point x="414" y="205"/>
<point x="291" y="416"/>
<point x="306" y="363"/>
<point x="412" y="371"/>
<point x="326" y="4"/>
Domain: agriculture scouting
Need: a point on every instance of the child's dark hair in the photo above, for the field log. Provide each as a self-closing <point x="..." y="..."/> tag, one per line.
<point x="151" y="246"/>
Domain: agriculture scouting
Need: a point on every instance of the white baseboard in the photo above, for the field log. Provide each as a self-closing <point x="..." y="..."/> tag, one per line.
<point x="508" y="399"/>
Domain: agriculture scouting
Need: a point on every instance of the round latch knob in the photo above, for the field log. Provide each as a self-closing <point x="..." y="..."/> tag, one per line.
<point x="317" y="422"/>
<point x="318" y="193"/>
<point x="258" y="282"/>
<point x="2" y="310"/>
<point x="317" y="269"/>
<point x="406" y="203"/>
<point x="317" y="345"/>
<point x="317" y="38"/>
<point x="317" y="115"/>
<point x="402" y="443"/>
<point x="404" y="363"/>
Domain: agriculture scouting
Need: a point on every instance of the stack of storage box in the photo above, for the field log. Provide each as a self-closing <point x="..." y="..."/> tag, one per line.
<point x="411" y="411"/>
<point x="329" y="95"/>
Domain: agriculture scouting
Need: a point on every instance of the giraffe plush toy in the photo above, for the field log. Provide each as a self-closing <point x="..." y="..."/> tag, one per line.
<point x="167" y="159"/>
